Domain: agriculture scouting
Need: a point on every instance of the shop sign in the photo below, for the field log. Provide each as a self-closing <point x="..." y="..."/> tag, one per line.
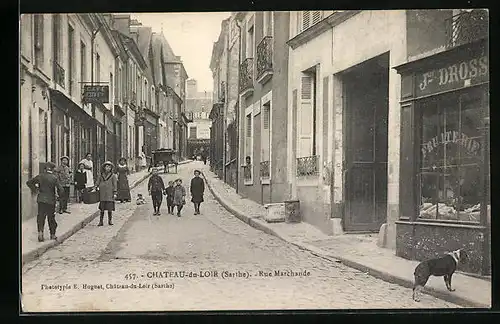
<point x="471" y="145"/>
<point x="453" y="76"/>
<point x="96" y="93"/>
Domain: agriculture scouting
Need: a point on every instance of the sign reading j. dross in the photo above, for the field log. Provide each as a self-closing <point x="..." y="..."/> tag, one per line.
<point x="453" y="75"/>
<point x="96" y="93"/>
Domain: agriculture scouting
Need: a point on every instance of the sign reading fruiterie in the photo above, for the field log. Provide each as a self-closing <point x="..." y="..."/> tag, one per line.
<point x="96" y="93"/>
<point x="453" y="75"/>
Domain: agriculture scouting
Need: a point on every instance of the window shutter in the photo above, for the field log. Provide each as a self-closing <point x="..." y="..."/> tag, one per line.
<point x="316" y="16"/>
<point x="306" y="19"/>
<point x="266" y="117"/>
<point x="249" y="125"/>
<point x="306" y="117"/>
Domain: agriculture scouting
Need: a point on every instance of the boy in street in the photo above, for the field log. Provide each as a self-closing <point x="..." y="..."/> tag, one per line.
<point x="156" y="188"/>
<point x="179" y="196"/>
<point x="47" y="185"/>
<point x="63" y="173"/>
<point x="169" y="191"/>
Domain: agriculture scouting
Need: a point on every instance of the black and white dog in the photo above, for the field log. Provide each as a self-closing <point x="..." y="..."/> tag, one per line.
<point x="444" y="266"/>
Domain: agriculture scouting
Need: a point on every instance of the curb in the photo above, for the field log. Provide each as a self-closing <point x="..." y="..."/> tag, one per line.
<point x="262" y="226"/>
<point x="35" y="254"/>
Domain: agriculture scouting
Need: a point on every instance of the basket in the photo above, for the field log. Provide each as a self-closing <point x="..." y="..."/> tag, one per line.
<point x="91" y="197"/>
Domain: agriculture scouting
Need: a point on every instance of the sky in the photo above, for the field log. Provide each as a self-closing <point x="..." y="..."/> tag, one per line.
<point x="191" y="36"/>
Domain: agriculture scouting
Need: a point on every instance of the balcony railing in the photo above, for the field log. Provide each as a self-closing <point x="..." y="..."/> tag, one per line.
<point x="264" y="58"/>
<point x="264" y="169"/>
<point x="308" y="166"/>
<point x="59" y="74"/>
<point x="246" y="75"/>
<point x="466" y="27"/>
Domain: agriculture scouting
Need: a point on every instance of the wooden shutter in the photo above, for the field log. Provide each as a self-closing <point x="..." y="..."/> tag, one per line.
<point x="266" y="116"/>
<point x="306" y="116"/>
<point x="306" y="20"/>
<point x="316" y="16"/>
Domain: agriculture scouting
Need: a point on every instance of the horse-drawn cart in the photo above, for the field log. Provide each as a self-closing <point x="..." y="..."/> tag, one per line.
<point x="165" y="157"/>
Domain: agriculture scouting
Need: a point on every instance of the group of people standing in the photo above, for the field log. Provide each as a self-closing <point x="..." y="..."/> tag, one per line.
<point x="53" y="185"/>
<point x="175" y="193"/>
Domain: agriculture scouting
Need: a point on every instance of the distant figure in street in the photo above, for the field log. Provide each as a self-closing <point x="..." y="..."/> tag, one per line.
<point x="47" y="185"/>
<point x="169" y="191"/>
<point x="142" y="160"/>
<point x="89" y="169"/>
<point x="64" y="174"/>
<point x="80" y="181"/>
<point x="197" y="189"/>
<point x="179" y="196"/>
<point x="123" y="186"/>
<point x="107" y="186"/>
<point x="155" y="189"/>
<point x="204" y="156"/>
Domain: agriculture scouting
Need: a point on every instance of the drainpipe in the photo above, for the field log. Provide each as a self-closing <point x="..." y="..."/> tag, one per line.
<point x="94" y="34"/>
<point x="237" y="109"/>
<point x="226" y="99"/>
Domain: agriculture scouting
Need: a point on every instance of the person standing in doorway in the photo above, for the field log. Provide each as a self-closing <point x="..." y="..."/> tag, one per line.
<point x="123" y="186"/>
<point x="107" y="186"/>
<point x="179" y="196"/>
<point x="155" y="189"/>
<point x="89" y="169"/>
<point x="47" y="185"/>
<point x="80" y="181"/>
<point x="197" y="189"/>
<point x="64" y="176"/>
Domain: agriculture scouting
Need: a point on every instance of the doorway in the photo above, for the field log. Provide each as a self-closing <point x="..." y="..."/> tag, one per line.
<point x="366" y="105"/>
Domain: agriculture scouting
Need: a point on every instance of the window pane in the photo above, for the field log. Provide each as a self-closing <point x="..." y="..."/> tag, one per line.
<point x="450" y="158"/>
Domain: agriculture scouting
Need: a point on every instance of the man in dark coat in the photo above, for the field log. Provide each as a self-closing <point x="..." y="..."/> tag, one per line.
<point x="197" y="189"/>
<point x="156" y="188"/>
<point x="47" y="185"/>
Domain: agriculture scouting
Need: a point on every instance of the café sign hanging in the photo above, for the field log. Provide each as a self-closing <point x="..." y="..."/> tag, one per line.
<point x="453" y="76"/>
<point x="96" y="94"/>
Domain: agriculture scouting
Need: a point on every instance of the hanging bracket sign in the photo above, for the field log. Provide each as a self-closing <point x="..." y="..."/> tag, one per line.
<point x="96" y="94"/>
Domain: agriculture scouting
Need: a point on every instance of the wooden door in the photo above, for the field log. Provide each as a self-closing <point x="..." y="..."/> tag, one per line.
<point x="366" y="152"/>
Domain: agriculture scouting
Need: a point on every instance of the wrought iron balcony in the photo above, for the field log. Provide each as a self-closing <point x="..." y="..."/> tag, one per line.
<point x="247" y="172"/>
<point x="264" y="169"/>
<point x="265" y="59"/>
<point x="308" y="166"/>
<point x="466" y="27"/>
<point x="246" y="76"/>
<point x="59" y="74"/>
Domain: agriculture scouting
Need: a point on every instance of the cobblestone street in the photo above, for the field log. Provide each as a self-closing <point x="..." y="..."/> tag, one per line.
<point x="140" y="246"/>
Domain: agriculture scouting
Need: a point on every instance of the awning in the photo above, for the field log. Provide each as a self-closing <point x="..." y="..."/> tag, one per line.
<point x="70" y="107"/>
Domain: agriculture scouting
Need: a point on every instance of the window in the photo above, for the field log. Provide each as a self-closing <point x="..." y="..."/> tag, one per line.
<point x="118" y="81"/>
<point x="111" y="84"/>
<point x="71" y="58"/>
<point x="250" y="42"/>
<point x="308" y="18"/>
<point x="268" y="23"/>
<point x="38" y="38"/>
<point x="266" y="141"/>
<point x="97" y="68"/>
<point x="83" y="62"/>
<point x="192" y="132"/>
<point x="307" y="116"/>
<point x="58" y="72"/>
<point x="451" y="157"/>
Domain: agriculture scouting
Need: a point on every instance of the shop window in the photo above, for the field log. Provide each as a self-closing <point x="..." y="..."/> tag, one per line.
<point x="451" y="158"/>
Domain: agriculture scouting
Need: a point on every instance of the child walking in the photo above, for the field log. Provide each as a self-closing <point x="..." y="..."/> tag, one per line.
<point x="179" y="196"/>
<point x="156" y="188"/>
<point x="107" y="186"/>
<point x="169" y="191"/>
<point x="80" y="181"/>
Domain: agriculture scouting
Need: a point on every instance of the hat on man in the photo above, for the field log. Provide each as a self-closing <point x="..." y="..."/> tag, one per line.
<point x="64" y="157"/>
<point x="50" y="165"/>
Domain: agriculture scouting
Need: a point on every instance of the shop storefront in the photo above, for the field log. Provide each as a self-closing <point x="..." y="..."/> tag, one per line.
<point x="444" y="172"/>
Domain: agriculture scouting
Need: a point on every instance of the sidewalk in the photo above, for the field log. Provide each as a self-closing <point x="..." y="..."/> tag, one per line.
<point x="356" y="251"/>
<point x="67" y="224"/>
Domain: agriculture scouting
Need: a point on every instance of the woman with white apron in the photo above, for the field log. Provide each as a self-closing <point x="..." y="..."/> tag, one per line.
<point x="89" y="170"/>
